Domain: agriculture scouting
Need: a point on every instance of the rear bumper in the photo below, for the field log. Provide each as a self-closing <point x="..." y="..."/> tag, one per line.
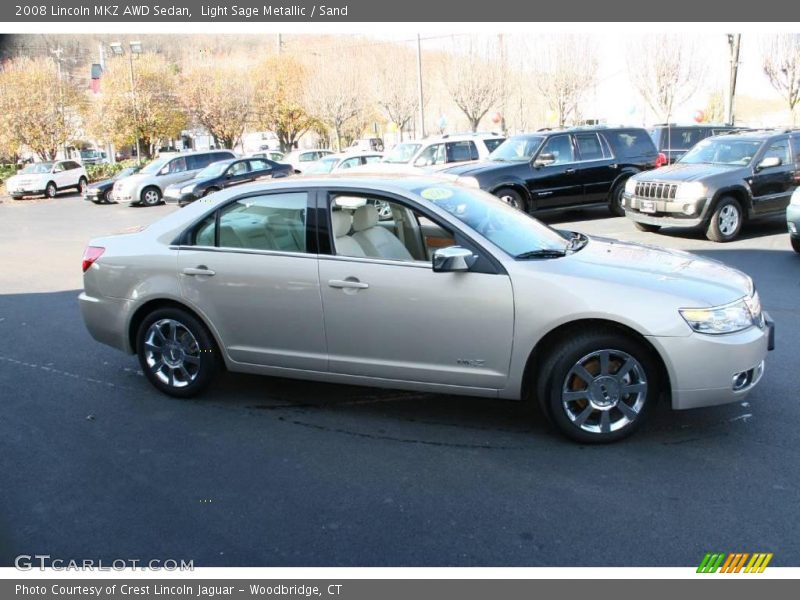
<point x="106" y="319"/>
<point x="702" y="368"/>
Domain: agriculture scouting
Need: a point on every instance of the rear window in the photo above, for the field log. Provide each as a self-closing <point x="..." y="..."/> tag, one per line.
<point x="681" y="138"/>
<point x="630" y="142"/>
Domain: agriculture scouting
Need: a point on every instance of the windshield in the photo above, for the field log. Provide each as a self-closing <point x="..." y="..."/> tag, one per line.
<point x="155" y="166"/>
<point x="37" y="168"/>
<point x="213" y="170"/>
<point x="125" y="172"/>
<point x="510" y="229"/>
<point x="519" y="149"/>
<point x="722" y="151"/>
<point x="402" y="153"/>
<point x="322" y="166"/>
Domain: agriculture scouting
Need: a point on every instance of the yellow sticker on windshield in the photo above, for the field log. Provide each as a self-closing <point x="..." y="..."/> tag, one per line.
<point x="436" y="193"/>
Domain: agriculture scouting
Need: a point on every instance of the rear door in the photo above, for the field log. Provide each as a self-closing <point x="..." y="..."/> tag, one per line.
<point x="237" y="173"/>
<point x="62" y="175"/>
<point x="555" y="183"/>
<point x="251" y="269"/>
<point x="597" y="169"/>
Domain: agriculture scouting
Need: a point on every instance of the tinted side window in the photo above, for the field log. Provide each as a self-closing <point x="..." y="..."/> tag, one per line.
<point x="779" y="149"/>
<point x="493" y="143"/>
<point x="215" y="156"/>
<point x="589" y="146"/>
<point x="677" y="138"/>
<point x="272" y="222"/>
<point x="631" y="142"/>
<point x="259" y="164"/>
<point x="461" y="151"/>
<point x="560" y="147"/>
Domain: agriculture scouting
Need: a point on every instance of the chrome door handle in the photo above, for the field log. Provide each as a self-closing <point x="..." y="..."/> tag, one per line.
<point x="614" y="166"/>
<point x="201" y="270"/>
<point x="348" y="283"/>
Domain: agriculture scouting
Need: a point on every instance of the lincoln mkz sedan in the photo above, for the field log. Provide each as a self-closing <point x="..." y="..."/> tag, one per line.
<point x="458" y="293"/>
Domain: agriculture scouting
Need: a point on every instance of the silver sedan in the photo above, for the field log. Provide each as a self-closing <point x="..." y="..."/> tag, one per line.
<point x="456" y="293"/>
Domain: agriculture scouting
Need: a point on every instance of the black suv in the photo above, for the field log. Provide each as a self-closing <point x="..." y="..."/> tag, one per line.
<point x="673" y="141"/>
<point x="719" y="184"/>
<point x="563" y="168"/>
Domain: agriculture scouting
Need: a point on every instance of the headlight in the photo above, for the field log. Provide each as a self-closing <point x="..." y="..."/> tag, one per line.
<point x="630" y="185"/>
<point x="795" y="197"/>
<point x="187" y="189"/>
<point x="469" y="182"/>
<point x="728" y="318"/>
<point x="690" y="191"/>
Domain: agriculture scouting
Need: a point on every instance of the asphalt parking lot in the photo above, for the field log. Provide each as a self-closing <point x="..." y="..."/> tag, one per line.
<point x="271" y="472"/>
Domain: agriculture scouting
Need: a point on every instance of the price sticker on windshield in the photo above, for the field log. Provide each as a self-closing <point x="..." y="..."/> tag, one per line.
<point x="435" y="194"/>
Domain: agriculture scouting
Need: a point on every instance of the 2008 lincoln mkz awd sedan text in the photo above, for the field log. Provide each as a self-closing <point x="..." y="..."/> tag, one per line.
<point x="457" y="292"/>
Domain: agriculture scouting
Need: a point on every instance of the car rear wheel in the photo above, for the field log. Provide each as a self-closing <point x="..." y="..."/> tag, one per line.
<point x="82" y="185"/>
<point x="615" y="200"/>
<point x="726" y="221"/>
<point x="795" y="244"/>
<point x="511" y="197"/>
<point x="598" y="386"/>
<point x="151" y="196"/>
<point x="647" y="227"/>
<point x="51" y="190"/>
<point x="176" y="352"/>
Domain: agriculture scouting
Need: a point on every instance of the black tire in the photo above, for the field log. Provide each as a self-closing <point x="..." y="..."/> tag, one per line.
<point x="98" y="201"/>
<point x="202" y="348"/>
<point x="210" y="191"/>
<point x="16" y="197"/>
<point x="150" y="196"/>
<point x="50" y="190"/>
<point x="83" y="183"/>
<point x="647" y="227"/>
<point x="555" y="377"/>
<point x="615" y="200"/>
<point x="512" y="197"/>
<point x="795" y="244"/>
<point x="719" y="228"/>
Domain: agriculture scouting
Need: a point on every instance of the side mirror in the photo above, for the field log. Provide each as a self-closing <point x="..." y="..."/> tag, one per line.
<point x="164" y="170"/>
<point x="228" y="175"/>
<point x="771" y="161"/>
<point x="544" y="159"/>
<point x="452" y="259"/>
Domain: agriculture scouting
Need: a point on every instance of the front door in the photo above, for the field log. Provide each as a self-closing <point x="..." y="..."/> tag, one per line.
<point x="772" y="186"/>
<point x="597" y="169"/>
<point x="252" y="276"/>
<point x="554" y="181"/>
<point x="389" y="315"/>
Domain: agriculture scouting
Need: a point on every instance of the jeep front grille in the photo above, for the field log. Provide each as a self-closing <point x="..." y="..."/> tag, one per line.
<point x="657" y="191"/>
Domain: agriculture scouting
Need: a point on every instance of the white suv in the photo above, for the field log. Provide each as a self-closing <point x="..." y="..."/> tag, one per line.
<point x="442" y="150"/>
<point x="47" y="178"/>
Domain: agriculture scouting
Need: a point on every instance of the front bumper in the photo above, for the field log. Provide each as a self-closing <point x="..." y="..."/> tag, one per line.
<point x="678" y="213"/>
<point x="24" y="191"/>
<point x="93" y="195"/>
<point x="703" y="368"/>
<point x="171" y="197"/>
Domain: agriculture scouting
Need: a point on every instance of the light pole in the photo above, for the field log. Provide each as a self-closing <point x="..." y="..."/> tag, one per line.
<point x="58" y="52"/>
<point x="734" y="43"/>
<point x="135" y="49"/>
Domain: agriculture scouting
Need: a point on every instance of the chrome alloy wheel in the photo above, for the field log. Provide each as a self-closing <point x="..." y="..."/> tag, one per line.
<point x="172" y="353"/>
<point x="604" y="391"/>
<point x="510" y="200"/>
<point x="151" y="197"/>
<point x="728" y="220"/>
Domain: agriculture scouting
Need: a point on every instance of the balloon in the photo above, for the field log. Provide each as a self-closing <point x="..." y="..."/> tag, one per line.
<point x="496" y="118"/>
<point x="392" y="127"/>
<point x="699" y="116"/>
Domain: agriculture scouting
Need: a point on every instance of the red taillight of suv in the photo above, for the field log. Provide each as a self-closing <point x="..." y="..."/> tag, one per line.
<point x="661" y="159"/>
<point x="91" y="254"/>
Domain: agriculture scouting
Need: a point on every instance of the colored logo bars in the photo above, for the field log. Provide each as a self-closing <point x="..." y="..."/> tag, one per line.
<point x="734" y="562"/>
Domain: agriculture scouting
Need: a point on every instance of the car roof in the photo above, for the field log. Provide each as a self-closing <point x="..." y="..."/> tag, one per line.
<point x="754" y="135"/>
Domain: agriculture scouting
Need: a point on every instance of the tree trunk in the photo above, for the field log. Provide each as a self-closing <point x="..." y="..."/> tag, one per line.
<point x="338" y="138"/>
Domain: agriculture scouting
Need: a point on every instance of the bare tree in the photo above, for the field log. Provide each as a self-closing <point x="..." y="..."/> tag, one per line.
<point x="566" y="69"/>
<point x="472" y="77"/>
<point x="666" y="70"/>
<point x="782" y="66"/>
<point x="335" y="92"/>
<point x="396" y="89"/>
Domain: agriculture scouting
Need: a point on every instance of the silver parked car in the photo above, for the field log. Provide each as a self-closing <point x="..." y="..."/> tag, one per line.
<point x="147" y="186"/>
<point x="296" y="279"/>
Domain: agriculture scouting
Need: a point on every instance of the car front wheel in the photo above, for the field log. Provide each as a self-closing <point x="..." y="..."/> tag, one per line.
<point x="726" y="221"/>
<point x="511" y="197"/>
<point x="176" y="352"/>
<point x="615" y="200"/>
<point x="82" y="185"/>
<point x="50" y="190"/>
<point x="597" y="386"/>
<point x="151" y="196"/>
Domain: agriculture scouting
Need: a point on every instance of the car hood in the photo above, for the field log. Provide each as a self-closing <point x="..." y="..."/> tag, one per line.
<point x="475" y="169"/>
<point x="103" y="183"/>
<point x="679" y="172"/>
<point x="680" y="274"/>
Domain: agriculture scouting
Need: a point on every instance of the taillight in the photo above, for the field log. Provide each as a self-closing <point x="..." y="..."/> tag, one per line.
<point x="661" y="159"/>
<point x="91" y="254"/>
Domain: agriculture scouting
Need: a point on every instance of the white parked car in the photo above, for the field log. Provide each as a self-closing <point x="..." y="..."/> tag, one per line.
<point x="47" y="178"/>
<point x="334" y="163"/>
<point x="439" y="151"/>
<point x="300" y="159"/>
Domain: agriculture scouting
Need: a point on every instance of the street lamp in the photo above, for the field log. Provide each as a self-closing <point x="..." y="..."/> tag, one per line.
<point x="135" y="49"/>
